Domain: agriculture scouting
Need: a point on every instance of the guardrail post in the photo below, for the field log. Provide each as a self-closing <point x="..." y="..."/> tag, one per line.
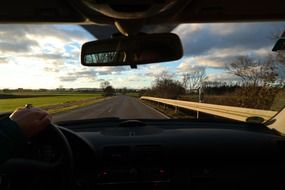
<point x="176" y="109"/>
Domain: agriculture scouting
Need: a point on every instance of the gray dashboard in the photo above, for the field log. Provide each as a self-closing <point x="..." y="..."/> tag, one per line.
<point x="186" y="155"/>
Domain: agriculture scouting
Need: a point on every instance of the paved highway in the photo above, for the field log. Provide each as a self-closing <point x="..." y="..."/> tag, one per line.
<point x="124" y="107"/>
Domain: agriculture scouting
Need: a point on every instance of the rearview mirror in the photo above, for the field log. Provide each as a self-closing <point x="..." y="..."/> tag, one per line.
<point x="133" y="50"/>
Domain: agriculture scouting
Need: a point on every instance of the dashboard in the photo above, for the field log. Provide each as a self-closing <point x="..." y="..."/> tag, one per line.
<point x="175" y="155"/>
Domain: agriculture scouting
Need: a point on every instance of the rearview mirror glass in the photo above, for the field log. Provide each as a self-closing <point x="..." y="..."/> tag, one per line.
<point x="133" y="50"/>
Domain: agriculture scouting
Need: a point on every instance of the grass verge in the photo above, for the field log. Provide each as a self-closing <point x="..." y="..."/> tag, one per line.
<point x="53" y="104"/>
<point x="68" y="108"/>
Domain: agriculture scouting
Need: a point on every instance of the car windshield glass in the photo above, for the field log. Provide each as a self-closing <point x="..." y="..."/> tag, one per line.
<point x="228" y="72"/>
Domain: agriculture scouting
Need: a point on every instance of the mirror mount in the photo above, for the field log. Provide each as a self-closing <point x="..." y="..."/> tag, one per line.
<point x="129" y="27"/>
<point x="133" y="66"/>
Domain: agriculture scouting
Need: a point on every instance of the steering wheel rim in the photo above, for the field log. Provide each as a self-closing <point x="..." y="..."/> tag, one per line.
<point x="65" y="161"/>
<point x="67" y="158"/>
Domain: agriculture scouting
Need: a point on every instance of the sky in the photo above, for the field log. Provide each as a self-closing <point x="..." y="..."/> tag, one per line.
<point x="48" y="56"/>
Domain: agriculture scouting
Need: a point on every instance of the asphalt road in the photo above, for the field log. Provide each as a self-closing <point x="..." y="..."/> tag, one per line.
<point x="124" y="107"/>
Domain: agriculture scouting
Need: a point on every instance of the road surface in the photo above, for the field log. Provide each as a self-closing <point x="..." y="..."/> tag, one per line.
<point x="124" y="107"/>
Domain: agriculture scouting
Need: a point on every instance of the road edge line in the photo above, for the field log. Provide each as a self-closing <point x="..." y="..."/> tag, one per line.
<point x="164" y="115"/>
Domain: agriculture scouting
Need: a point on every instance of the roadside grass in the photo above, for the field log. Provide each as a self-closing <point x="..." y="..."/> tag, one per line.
<point x="44" y="100"/>
<point x="279" y="102"/>
<point x="182" y="113"/>
<point x="230" y="100"/>
<point x="68" y="108"/>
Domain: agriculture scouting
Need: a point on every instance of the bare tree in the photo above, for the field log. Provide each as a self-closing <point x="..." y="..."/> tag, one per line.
<point x="259" y="78"/>
<point x="166" y="87"/>
<point x="254" y="73"/>
<point x="185" y="80"/>
<point x="164" y="75"/>
<point x="194" y="79"/>
<point x="104" y="84"/>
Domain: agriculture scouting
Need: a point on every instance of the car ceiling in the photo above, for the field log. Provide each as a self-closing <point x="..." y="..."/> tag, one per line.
<point x="194" y="11"/>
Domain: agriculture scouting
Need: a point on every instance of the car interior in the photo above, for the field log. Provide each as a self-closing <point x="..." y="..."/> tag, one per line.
<point x="116" y="153"/>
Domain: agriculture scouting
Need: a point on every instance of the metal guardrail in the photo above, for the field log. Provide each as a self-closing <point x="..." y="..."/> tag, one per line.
<point x="235" y="113"/>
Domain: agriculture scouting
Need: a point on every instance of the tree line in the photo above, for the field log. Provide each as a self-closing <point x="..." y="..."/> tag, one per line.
<point x="258" y="82"/>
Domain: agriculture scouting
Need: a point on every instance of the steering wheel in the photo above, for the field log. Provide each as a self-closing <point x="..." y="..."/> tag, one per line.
<point x="22" y="166"/>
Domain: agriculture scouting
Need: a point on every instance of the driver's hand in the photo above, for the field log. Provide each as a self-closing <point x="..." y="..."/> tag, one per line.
<point x="31" y="120"/>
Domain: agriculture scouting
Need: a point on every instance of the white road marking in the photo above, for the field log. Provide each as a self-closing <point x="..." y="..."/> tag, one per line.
<point x="154" y="110"/>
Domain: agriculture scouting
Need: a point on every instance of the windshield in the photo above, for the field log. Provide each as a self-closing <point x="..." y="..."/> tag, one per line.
<point x="228" y="72"/>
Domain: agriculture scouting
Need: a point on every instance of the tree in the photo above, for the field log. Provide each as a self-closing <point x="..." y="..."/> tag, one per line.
<point x="109" y="91"/>
<point x="254" y="73"/>
<point x="194" y="79"/>
<point x="104" y="85"/>
<point x="164" y="75"/>
<point x="258" y="86"/>
<point x="166" y="87"/>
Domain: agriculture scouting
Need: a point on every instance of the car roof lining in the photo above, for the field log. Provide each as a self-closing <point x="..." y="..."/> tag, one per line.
<point x="196" y="11"/>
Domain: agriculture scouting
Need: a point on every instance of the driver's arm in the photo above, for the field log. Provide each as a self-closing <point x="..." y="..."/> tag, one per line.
<point x="21" y="124"/>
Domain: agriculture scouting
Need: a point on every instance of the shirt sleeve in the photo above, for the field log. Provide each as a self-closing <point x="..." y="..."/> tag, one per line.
<point x="11" y="139"/>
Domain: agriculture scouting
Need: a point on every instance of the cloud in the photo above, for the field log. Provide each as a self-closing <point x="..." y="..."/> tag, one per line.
<point x="20" y="38"/>
<point x="84" y="74"/>
<point x="218" y="59"/>
<point x="222" y="77"/>
<point x="216" y="45"/>
<point x="154" y="70"/>
<point x="110" y="70"/>
<point x="14" y="39"/>
<point x="68" y="78"/>
<point x="3" y="60"/>
<point x="200" y="40"/>
<point x="51" y="69"/>
<point x="186" y="30"/>
<point x="187" y="67"/>
<point x="42" y="41"/>
<point x="16" y="45"/>
<point x="51" y="54"/>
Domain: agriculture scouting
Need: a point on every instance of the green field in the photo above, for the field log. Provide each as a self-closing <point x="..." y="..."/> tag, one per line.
<point x="9" y="102"/>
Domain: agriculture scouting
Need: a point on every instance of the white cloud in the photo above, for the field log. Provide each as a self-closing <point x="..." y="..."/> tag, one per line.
<point x="224" y="29"/>
<point x="154" y="70"/>
<point x="193" y="63"/>
<point x="219" y="58"/>
<point x="185" y="30"/>
<point x="222" y="77"/>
